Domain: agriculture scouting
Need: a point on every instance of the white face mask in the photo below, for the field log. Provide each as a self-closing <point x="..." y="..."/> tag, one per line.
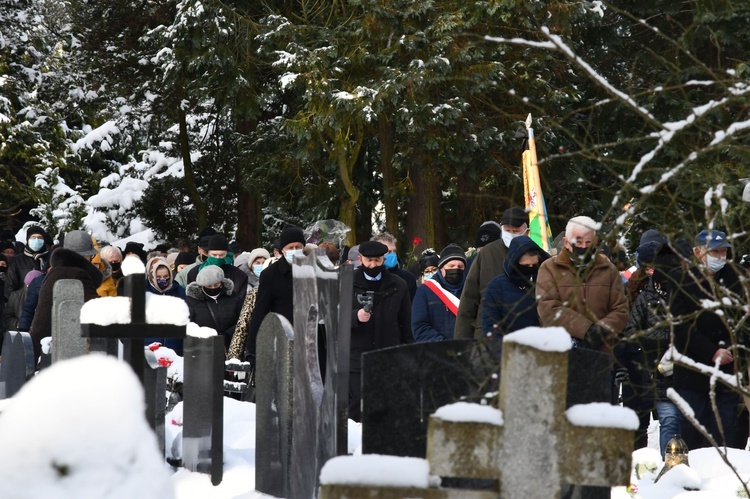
<point x="715" y="263"/>
<point x="508" y="237"/>
<point x="290" y="254"/>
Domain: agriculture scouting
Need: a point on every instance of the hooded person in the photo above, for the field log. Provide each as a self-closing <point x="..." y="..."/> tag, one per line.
<point x="212" y="303"/>
<point x="218" y="254"/>
<point x="434" y="309"/>
<point x="160" y="281"/>
<point x="64" y="264"/>
<point x="487" y="265"/>
<point x="33" y="257"/>
<point x="510" y="299"/>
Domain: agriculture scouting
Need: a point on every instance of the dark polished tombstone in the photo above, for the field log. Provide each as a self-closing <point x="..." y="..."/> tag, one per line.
<point x="155" y="385"/>
<point x="17" y="363"/>
<point x="322" y="305"/>
<point x="274" y="404"/>
<point x="203" y="406"/>
<point x="402" y="386"/>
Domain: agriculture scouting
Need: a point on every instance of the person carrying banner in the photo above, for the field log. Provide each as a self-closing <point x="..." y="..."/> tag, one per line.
<point x="435" y="306"/>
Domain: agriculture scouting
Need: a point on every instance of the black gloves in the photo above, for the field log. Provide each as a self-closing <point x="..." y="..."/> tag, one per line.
<point x="595" y="337"/>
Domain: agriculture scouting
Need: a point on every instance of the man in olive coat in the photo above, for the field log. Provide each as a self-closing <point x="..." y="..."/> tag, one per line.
<point x="386" y="323"/>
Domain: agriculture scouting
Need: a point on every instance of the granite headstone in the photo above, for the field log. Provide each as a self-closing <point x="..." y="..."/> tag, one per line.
<point x="17" y="363"/>
<point x="274" y="403"/>
<point x="203" y="406"/>
<point x="402" y="386"/>
<point x="67" y="302"/>
<point x="155" y="387"/>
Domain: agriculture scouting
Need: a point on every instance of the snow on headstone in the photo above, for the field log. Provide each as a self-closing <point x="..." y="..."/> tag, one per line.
<point x="548" y="339"/>
<point x="106" y="311"/>
<point x="166" y="310"/>
<point x="376" y="470"/>
<point x="197" y="331"/>
<point x="78" y="430"/>
<point x="466" y="412"/>
<point x="603" y="415"/>
<point x="131" y="264"/>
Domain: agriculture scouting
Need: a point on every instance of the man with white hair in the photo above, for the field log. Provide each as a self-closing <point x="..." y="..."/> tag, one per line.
<point x="581" y="290"/>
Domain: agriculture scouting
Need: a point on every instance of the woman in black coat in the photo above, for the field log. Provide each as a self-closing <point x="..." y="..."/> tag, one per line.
<point x="212" y="303"/>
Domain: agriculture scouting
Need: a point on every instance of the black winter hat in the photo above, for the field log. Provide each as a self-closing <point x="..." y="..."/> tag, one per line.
<point x="185" y="258"/>
<point x="451" y="252"/>
<point x="207" y="231"/>
<point x="7" y="235"/>
<point x="651" y="235"/>
<point x="428" y="259"/>
<point x="515" y="216"/>
<point x="489" y="231"/>
<point x="4" y="245"/>
<point x="218" y="242"/>
<point x="35" y="229"/>
<point x="136" y="248"/>
<point x="291" y="234"/>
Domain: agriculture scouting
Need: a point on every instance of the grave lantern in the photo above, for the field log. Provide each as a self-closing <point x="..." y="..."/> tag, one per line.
<point x="675" y="453"/>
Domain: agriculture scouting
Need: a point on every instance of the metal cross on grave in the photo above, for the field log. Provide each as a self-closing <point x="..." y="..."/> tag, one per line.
<point x="133" y="334"/>
<point x="533" y="447"/>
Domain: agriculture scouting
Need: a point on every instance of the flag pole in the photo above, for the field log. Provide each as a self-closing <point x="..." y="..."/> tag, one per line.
<point x="540" y="208"/>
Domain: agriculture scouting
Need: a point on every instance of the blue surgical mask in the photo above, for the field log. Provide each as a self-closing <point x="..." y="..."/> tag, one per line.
<point x="36" y="244"/>
<point x="290" y="254"/>
<point x="391" y="260"/>
<point x="427" y="276"/>
<point x="257" y="269"/>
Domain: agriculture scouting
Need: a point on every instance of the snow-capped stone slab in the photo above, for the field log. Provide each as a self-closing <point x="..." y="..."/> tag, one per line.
<point x="465" y="412"/>
<point x="603" y="415"/>
<point x="376" y="470"/>
<point x="546" y="339"/>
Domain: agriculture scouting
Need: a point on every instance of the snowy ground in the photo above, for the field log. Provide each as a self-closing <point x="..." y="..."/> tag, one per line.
<point x="71" y="434"/>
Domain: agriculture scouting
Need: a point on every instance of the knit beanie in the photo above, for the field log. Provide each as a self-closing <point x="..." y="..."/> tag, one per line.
<point x="451" y="252"/>
<point x="291" y="234"/>
<point x="210" y="275"/>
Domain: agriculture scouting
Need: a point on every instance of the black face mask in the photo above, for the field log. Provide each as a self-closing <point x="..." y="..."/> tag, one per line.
<point x="213" y="292"/>
<point x="582" y="255"/>
<point x="454" y="276"/>
<point x="374" y="272"/>
<point x="527" y="272"/>
<point x="3" y="270"/>
<point x="116" y="266"/>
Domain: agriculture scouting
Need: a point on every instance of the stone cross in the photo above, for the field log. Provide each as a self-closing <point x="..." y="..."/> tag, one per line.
<point x="18" y="363"/>
<point x="133" y="334"/>
<point x="535" y="448"/>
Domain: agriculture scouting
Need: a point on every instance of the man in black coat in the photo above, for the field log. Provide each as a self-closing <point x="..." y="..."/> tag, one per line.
<point x="275" y="287"/>
<point x="386" y="323"/>
<point x="707" y="299"/>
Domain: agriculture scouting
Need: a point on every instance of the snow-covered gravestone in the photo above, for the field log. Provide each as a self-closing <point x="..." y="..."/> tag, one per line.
<point x="70" y="434"/>
<point x="530" y="444"/>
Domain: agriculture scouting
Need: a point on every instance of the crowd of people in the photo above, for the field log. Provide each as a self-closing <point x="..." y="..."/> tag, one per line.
<point x="681" y="293"/>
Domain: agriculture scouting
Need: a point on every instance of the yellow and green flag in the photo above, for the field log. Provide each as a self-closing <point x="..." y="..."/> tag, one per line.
<point x="539" y="229"/>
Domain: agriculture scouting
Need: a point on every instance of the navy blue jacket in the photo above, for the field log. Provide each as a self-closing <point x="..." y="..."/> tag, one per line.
<point x="29" y="306"/>
<point x="430" y="318"/>
<point x="509" y="300"/>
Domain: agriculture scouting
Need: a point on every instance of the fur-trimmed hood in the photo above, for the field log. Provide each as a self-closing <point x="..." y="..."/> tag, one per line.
<point x="195" y="291"/>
